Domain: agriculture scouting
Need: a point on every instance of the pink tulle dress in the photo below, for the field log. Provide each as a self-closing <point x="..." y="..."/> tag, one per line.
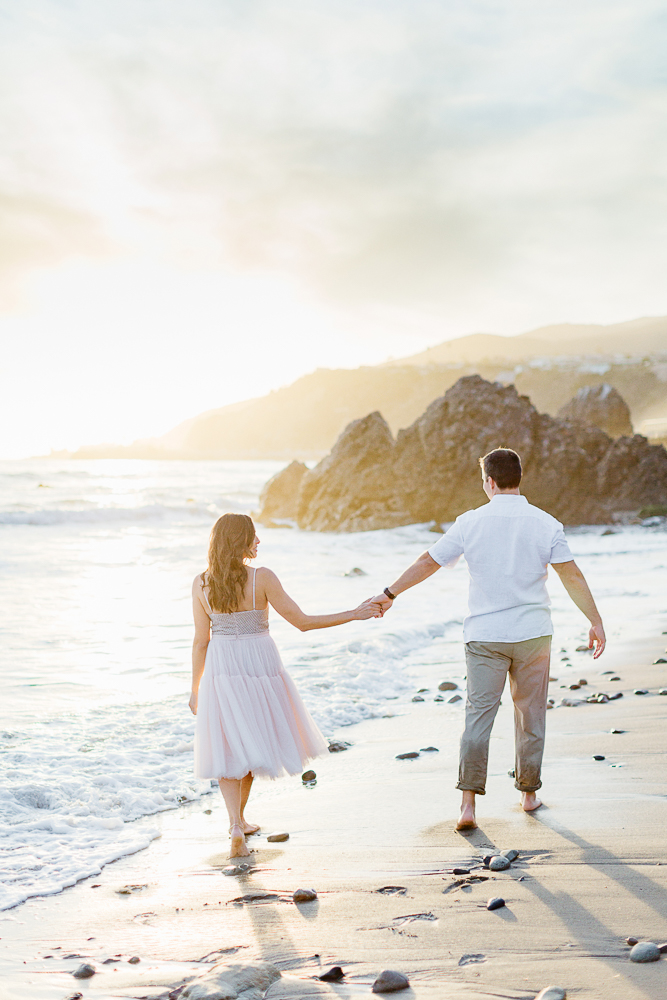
<point x="250" y="716"/>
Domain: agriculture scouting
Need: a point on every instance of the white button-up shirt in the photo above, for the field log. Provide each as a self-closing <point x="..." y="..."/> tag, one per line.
<point x="508" y="545"/>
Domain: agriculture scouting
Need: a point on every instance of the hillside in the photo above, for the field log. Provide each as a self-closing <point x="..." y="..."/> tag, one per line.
<point x="549" y="365"/>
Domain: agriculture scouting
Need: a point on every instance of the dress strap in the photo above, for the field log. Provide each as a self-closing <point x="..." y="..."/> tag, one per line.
<point x="203" y="592"/>
<point x="254" y="577"/>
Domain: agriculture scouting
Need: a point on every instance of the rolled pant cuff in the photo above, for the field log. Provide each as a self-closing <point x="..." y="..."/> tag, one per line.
<point x="527" y="788"/>
<point x="467" y="788"/>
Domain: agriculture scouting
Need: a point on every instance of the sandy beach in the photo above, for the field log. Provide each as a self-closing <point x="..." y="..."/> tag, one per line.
<point x="592" y="868"/>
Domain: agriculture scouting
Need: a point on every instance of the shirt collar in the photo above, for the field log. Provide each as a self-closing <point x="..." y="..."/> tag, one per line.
<point x="508" y="498"/>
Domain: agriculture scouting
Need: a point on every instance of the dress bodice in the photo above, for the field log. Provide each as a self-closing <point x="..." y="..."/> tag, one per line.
<point x="240" y="623"/>
<point x="236" y="624"/>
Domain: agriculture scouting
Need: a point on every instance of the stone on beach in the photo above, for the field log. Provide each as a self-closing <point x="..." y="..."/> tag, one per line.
<point x="407" y="756"/>
<point x="662" y="691"/>
<point x="337" y="746"/>
<point x="583" y="682"/>
<point x="429" y="750"/>
<point x="334" y="975"/>
<point x="84" y="971"/>
<point x="390" y="982"/>
<point x="645" y="951"/>
<point x="452" y="701"/>
<point x="600" y="406"/>
<point x="660" y="659"/>
<point x="598" y="756"/>
<point x="417" y="697"/>
<point x="231" y="981"/>
<point x="447" y="686"/>
<point x="551" y="993"/>
<point x="572" y="702"/>
<point x="631" y="940"/>
<point x="308" y="776"/>
<point x="511" y="855"/>
<point x="277" y="838"/>
<point x="641" y="691"/>
<point x="499" y="863"/>
<point x="496" y="903"/>
<point x="304" y="895"/>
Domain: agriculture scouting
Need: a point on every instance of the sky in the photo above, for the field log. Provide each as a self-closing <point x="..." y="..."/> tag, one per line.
<point x="201" y="201"/>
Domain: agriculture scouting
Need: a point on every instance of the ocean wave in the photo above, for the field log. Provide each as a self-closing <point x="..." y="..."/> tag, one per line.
<point x="79" y="815"/>
<point x="109" y="515"/>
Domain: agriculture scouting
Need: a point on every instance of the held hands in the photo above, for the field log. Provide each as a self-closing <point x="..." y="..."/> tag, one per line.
<point x="384" y="603"/>
<point x="596" y="637"/>
<point x="193" y="702"/>
<point x="369" y="609"/>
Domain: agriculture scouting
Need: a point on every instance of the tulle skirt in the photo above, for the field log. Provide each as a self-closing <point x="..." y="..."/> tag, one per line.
<point x="250" y="716"/>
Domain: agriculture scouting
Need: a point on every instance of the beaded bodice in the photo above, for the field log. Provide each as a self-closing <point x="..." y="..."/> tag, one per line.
<point x="236" y="624"/>
<point x="240" y="623"/>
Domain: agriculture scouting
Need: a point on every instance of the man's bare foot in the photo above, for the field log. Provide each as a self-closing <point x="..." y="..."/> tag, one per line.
<point x="467" y="818"/>
<point x="530" y="802"/>
<point x="239" y="848"/>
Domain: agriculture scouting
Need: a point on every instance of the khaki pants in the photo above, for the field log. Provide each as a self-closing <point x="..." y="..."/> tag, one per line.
<point x="488" y="664"/>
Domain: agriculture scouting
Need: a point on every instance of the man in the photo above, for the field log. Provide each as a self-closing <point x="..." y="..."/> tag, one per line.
<point x="508" y="545"/>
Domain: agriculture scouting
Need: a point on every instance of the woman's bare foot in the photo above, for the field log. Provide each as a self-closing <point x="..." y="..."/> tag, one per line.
<point x="239" y="848"/>
<point x="530" y="802"/>
<point x="250" y="828"/>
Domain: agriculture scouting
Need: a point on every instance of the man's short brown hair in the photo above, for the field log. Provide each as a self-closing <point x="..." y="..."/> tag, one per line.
<point x="503" y="466"/>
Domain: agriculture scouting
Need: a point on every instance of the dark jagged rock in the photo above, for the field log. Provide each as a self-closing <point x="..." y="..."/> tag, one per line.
<point x="351" y="489"/>
<point x="600" y="406"/>
<point x="280" y="495"/>
<point x="575" y="471"/>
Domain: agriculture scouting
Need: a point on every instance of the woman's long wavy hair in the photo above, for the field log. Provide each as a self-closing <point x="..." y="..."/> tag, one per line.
<point x="226" y="575"/>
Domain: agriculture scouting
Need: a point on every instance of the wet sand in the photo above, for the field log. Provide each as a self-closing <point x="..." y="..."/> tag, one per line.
<point x="592" y="868"/>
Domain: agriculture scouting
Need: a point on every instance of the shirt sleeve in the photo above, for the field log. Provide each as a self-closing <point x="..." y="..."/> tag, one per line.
<point x="449" y="547"/>
<point x="560" y="550"/>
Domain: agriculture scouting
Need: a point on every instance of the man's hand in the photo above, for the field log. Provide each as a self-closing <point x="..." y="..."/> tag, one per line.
<point x="596" y="637"/>
<point x="384" y="602"/>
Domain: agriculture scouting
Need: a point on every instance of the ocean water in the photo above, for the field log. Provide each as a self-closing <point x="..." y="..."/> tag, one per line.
<point x="96" y="564"/>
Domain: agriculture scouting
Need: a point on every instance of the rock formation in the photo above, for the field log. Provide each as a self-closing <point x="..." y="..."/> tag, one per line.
<point x="430" y="472"/>
<point x="600" y="406"/>
<point x="280" y="495"/>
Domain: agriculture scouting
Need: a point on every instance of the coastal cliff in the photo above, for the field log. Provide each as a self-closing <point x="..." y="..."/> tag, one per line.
<point x="575" y="471"/>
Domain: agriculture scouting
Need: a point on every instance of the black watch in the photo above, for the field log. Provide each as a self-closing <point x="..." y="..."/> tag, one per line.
<point x="387" y="591"/>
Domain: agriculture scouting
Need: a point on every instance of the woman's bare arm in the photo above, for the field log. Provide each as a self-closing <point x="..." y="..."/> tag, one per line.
<point x="291" y="612"/>
<point x="200" y="642"/>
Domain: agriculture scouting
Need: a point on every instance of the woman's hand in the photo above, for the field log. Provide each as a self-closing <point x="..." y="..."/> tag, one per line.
<point x="369" y="609"/>
<point x="193" y="702"/>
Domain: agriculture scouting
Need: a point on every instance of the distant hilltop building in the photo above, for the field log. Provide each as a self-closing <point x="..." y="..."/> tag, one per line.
<point x="599" y="406"/>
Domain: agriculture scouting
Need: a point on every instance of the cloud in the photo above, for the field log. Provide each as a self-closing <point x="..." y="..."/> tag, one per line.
<point x="472" y="160"/>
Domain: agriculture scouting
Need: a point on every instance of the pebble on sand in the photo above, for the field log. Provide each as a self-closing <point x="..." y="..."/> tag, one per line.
<point x="85" y="971"/>
<point x="598" y="756"/>
<point x="277" y="838"/>
<point x="510" y="855"/>
<point x="334" y="975"/>
<point x="498" y="863"/>
<point x="337" y="746"/>
<point x="304" y="895"/>
<point x="662" y="691"/>
<point x="496" y="903"/>
<point x="631" y="940"/>
<point x="308" y="776"/>
<point x="551" y="993"/>
<point x="457" y="697"/>
<point x="641" y="691"/>
<point x="447" y="686"/>
<point x="583" y="682"/>
<point x="390" y="982"/>
<point x="134" y="960"/>
<point x="645" y="951"/>
<point x="429" y="750"/>
<point x="417" y="697"/>
<point x="660" y="659"/>
<point x="614" y="678"/>
<point x="616" y="732"/>
<point x="407" y="756"/>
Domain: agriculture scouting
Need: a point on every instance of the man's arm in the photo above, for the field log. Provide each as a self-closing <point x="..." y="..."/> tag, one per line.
<point x="421" y="569"/>
<point x="575" y="583"/>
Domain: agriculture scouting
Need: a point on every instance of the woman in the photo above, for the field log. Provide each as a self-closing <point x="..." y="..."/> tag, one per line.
<point x="250" y="718"/>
